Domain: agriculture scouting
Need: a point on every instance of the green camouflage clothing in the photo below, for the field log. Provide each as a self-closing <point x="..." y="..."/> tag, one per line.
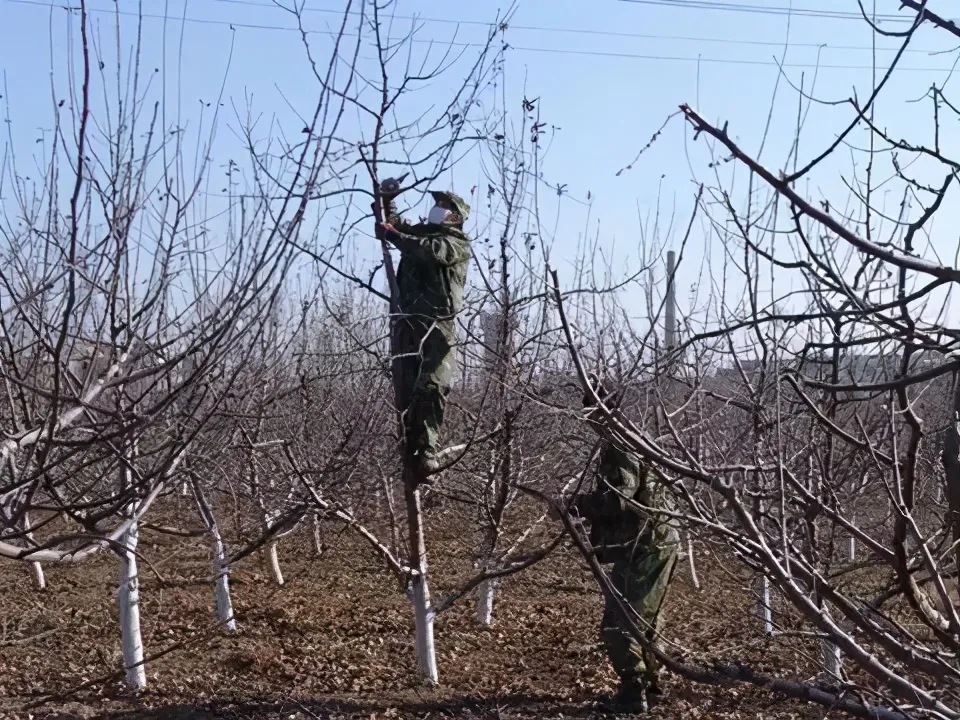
<point x="430" y="277"/>
<point x="643" y="550"/>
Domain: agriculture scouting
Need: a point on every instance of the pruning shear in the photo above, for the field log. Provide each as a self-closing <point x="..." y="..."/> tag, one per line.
<point x="391" y="186"/>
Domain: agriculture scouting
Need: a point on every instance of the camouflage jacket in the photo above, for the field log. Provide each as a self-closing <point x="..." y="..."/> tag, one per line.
<point x="433" y="266"/>
<point x="615" y="523"/>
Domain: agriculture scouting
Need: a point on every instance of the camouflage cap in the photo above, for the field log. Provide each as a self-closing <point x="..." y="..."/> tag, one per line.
<point x="463" y="209"/>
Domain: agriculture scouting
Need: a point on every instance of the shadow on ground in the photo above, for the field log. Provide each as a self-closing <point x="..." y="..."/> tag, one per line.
<point x="504" y="707"/>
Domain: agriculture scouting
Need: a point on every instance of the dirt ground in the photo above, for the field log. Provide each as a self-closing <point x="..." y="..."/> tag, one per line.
<point x="336" y="641"/>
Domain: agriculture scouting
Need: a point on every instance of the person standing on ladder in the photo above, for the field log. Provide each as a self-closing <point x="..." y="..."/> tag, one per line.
<point x="431" y="277"/>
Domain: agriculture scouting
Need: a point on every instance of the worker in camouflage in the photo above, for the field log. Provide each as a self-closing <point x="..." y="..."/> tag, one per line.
<point x="431" y="276"/>
<point x="643" y="549"/>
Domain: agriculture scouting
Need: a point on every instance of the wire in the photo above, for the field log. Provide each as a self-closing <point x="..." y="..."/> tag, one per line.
<point x="584" y="31"/>
<point x="767" y="10"/>
<point x="520" y="48"/>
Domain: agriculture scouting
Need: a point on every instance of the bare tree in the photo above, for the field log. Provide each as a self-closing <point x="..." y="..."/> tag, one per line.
<point x="424" y="147"/>
<point x="823" y="412"/>
<point x="120" y="314"/>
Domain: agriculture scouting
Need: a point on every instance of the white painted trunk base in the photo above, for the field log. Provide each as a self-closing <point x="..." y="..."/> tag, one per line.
<point x="830" y="657"/>
<point x="223" y="604"/>
<point x="486" y="593"/>
<point x="36" y="569"/>
<point x="39" y="579"/>
<point x="273" y="563"/>
<point x="423" y="619"/>
<point x="766" y="607"/>
<point x="832" y="662"/>
<point x="317" y="538"/>
<point x="694" y="579"/>
<point x="221" y="588"/>
<point x="128" y="599"/>
<point x="852" y="550"/>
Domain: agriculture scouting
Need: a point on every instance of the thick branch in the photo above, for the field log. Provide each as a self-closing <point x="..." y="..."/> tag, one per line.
<point x="779" y="184"/>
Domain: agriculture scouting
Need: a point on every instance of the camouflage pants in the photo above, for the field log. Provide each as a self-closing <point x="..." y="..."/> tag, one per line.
<point x="426" y="364"/>
<point x="642" y="575"/>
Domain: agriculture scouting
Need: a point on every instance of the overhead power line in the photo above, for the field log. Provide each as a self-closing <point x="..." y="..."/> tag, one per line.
<point x="235" y="24"/>
<point x="682" y="4"/>
<point x="772" y="10"/>
<point x="581" y="31"/>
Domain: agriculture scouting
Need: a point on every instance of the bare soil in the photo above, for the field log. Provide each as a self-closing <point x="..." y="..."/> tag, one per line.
<point x="336" y="641"/>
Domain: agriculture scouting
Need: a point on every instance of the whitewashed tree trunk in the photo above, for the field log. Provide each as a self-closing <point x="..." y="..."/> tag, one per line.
<point x="486" y="593"/>
<point x="317" y="537"/>
<point x="128" y="592"/>
<point x="39" y="579"/>
<point x="221" y="588"/>
<point x="423" y="612"/>
<point x="273" y="562"/>
<point x="220" y="562"/>
<point x="693" y="566"/>
<point x="832" y="664"/>
<point x="424" y="619"/>
<point x="270" y="558"/>
<point x="765" y="608"/>
<point x="766" y="605"/>
<point x="852" y="543"/>
<point x="36" y="569"/>
<point x="128" y="599"/>
<point x="831" y="658"/>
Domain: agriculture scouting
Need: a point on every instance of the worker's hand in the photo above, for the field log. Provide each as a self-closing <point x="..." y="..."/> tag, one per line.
<point x="381" y="230"/>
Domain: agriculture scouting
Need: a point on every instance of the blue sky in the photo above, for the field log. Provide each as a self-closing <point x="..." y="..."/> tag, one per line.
<point x="607" y="72"/>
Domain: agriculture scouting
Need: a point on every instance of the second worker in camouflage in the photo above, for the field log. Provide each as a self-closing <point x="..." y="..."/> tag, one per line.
<point x="627" y="531"/>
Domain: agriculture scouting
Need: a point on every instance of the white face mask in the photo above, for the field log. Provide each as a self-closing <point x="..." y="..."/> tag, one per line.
<point x="438" y="215"/>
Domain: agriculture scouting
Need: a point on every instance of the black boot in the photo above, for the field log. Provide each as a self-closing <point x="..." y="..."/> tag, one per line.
<point x="632" y="697"/>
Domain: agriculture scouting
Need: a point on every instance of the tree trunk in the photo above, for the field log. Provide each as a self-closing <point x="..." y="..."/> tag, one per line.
<point x="316" y="535"/>
<point x="766" y="605"/>
<point x="273" y="562"/>
<point x="693" y="565"/>
<point x="419" y="586"/>
<point x="221" y="587"/>
<point x="39" y="579"/>
<point x="221" y="569"/>
<point x="832" y="664"/>
<point x="36" y="569"/>
<point x="831" y="658"/>
<point x="486" y="592"/>
<point x="128" y="600"/>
